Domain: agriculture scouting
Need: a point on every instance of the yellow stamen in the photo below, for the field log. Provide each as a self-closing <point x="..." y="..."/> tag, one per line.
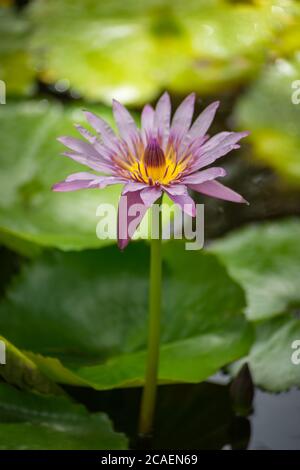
<point x="157" y="167"/>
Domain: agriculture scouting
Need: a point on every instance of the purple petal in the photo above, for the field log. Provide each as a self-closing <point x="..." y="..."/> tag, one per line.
<point x="162" y="118"/>
<point x="103" y="151"/>
<point x="192" y="147"/>
<point x="210" y="153"/>
<point x="108" y="136"/>
<point x="128" y="218"/>
<point x="205" y="175"/>
<point x="185" y="202"/>
<point x="83" y="175"/>
<point x="88" y="151"/>
<point x="126" y="125"/>
<point x="204" y="121"/>
<point x="85" y="180"/>
<point x="223" y="138"/>
<point x="147" y="121"/>
<point x="183" y="117"/>
<point x="176" y="189"/>
<point x="150" y="194"/>
<point x="103" y="181"/>
<point x="86" y="134"/>
<point x="91" y="162"/>
<point x="134" y="186"/>
<point x="72" y="185"/>
<point x="79" y="146"/>
<point x="217" y="190"/>
<point x="100" y="126"/>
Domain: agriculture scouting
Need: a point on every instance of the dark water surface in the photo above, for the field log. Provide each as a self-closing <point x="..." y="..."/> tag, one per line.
<point x="210" y="415"/>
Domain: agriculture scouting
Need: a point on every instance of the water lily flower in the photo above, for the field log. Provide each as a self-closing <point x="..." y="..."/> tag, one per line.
<point x="164" y="156"/>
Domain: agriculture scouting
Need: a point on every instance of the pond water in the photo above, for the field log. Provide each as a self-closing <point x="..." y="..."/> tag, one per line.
<point x="205" y="416"/>
<point x="275" y="422"/>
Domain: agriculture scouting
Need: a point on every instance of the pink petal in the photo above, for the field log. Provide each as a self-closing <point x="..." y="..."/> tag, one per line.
<point x="82" y="175"/>
<point x="89" y="152"/>
<point x="162" y="118"/>
<point x="210" y="153"/>
<point x="204" y="121"/>
<point x="218" y="190"/>
<point x="103" y="181"/>
<point x="205" y="175"/>
<point x="223" y="138"/>
<point x="134" y="186"/>
<point x="128" y="220"/>
<point x="126" y="125"/>
<point x="147" y="120"/>
<point x="190" y="147"/>
<point x="103" y="151"/>
<point x="79" y="146"/>
<point x="183" y="117"/>
<point x="91" y="162"/>
<point x="150" y="194"/>
<point x="175" y="189"/>
<point x="108" y="136"/>
<point x="85" y="180"/>
<point x="100" y="126"/>
<point x="86" y="134"/>
<point x="72" y="185"/>
<point x="185" y="202"/>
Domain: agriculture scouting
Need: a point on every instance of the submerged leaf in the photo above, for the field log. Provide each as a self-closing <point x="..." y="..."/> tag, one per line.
<point x="33" y="422"/>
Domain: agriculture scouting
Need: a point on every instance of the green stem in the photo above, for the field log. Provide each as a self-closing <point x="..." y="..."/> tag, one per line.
<point x="150" y="387"/>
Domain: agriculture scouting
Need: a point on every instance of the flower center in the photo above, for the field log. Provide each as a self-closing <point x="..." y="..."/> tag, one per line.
<point x="155" y="166"/>
<point x="154" y="161"/>
<point x="154" y="157"/>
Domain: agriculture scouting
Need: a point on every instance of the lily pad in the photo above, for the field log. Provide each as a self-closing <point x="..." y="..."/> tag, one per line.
<point x="265" y="260"/>
<point x="33" y="422"/>
<point x="274" y="358"/>
<point x="131" y="52"/>
<point x="16" y="68"/>
<point x="21" y="371"/>
<point x="271" y="357"/>
<point x="31" y="214"/>
<point x="87" y="312"/>
<point x="271" y="109"/>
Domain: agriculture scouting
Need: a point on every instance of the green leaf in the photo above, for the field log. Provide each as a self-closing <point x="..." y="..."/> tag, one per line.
<point x="30" y="213"/>
<point x="109" y="51"/>
<point x="88" y="312"/>
<point x="268" y="111"/>
<point x="270" y="358"/>
<point x="33" y="422"/>
<point x="21" y="371"/>
<point x="265" y="260"/>
<point x="271" y="355"/>
<point x="16" y="68"/>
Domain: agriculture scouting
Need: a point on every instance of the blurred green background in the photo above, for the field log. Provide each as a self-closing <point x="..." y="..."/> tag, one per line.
<point x="73" y="309"/>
